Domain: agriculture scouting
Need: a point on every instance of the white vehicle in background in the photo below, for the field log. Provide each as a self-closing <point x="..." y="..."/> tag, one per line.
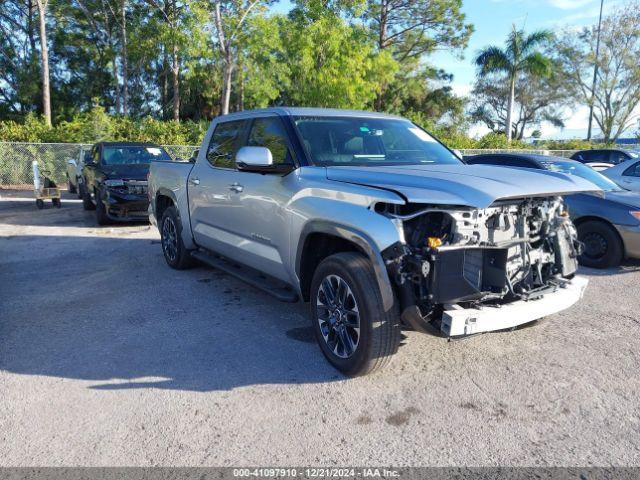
<point x="601" y="159"/>
<point x="626" y="174"/>
<point x="74" y="171"/>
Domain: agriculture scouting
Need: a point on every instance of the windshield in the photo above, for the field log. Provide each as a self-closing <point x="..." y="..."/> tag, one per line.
<point x="136" y="155"/>
<point x="581" y="170"/>
<point x="369" y="142"/>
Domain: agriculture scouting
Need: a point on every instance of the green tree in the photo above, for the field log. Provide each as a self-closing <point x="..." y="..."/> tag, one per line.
<point x="333" y="63"/>
<point x="411" y="29"/>
<point x="229" y="18"/>
<point x="19" y="62"/>
<point x="537" y="99"/>
<point x="617" y="92"/>
<point x="519" y="56"/>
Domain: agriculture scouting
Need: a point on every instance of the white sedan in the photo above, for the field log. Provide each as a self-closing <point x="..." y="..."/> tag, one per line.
<point x="626" y="174"/>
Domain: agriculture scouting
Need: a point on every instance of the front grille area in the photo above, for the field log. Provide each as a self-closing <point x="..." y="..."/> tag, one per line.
<point x="472" y="267"/>
<point x="132" y="187"/>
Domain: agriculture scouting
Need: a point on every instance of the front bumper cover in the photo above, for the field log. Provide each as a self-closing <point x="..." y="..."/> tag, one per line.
<point x="631" y="239"/>
<point x="458" y="321"/>
<point x="126" y="207"/>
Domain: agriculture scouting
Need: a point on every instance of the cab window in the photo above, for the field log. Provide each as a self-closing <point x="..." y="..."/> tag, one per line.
<point x="269" y="132"/>
<point x="596" y="156"/>
<point x="224" y="144"/>
<point x="618" y="157"/>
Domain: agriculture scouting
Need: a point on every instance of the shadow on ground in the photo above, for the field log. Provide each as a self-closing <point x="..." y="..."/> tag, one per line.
<point x="109" y="311"/>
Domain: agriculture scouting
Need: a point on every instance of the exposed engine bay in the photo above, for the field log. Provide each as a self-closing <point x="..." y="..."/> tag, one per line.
<point x="513" y="250"/>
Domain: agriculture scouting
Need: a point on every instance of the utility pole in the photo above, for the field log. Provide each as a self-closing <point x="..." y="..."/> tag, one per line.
<point x="595" y="73"/>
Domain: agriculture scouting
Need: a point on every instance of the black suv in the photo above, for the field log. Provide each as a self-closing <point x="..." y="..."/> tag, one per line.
<point x="114" y="180"/>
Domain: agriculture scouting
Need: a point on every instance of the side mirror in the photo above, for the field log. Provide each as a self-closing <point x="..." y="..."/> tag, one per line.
<point x="179" y="159"/>
<point x="249" y="158"/>
<point x="259" y="160"/>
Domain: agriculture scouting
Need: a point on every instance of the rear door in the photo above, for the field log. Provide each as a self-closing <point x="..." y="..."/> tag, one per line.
<point x="259" y="220"/>
<point x="211" y="203"/>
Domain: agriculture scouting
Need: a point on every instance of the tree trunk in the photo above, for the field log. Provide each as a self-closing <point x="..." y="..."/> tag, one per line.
<point x="227" y="71"/>
<point x="164" y="92"/>
<point x="32" y="40"/>
<point x="125" y="67"/>
<point x="240" y="81"/>
<point x="116" y="78"/>
<point x="175" y="68"/>
<point x="512" y="95"/>
<point x="44" y="56"/>
<point x="382" y="40"/>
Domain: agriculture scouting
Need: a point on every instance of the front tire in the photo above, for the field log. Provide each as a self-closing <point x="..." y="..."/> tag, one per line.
<point x="354" y="332"/>
<point x="101" y="211"/>
<point x="602" y="245"/>
<point x="87" y="204"/>
<point x="175" y="253"/>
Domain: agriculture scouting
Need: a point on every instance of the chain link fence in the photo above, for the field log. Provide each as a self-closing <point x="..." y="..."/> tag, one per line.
<point x="52" y="158"/>
<point x="16" y="158"/>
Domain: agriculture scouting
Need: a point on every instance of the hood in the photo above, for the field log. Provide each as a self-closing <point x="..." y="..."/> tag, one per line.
<point x="632" y="199"/>
<point x="132" y="171"/>
<point x="466" y="185"/>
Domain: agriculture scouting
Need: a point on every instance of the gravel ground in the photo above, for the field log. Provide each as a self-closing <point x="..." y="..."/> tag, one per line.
<point x="110" y="358"/>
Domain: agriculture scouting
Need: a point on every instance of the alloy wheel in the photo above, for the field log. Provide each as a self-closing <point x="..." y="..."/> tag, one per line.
<point x="169" y="239"/>
<point x="338" y="316"/>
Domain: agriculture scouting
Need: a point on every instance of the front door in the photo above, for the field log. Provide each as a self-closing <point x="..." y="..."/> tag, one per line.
<point x="240" y="214"/>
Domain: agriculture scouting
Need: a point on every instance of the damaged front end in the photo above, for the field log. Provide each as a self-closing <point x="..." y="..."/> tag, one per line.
<point x="454" y="260"/>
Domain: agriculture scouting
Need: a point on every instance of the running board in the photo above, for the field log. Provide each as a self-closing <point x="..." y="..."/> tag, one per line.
<point x="253" y="277"/>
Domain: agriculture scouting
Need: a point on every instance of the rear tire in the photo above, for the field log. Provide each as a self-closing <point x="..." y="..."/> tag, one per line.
<point x="87" y="204"/>
<point x="370" y="346"/>
<point x="603" y="247"/>
<point x="56" y="202"/>
<point x="175" y="253"/>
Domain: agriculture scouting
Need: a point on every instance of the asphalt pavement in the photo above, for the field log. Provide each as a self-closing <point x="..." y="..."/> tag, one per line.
<point x="110" y="358"/>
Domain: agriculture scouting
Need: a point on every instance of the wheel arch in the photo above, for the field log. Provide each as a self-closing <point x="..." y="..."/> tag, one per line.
<point x="319" y="239"/>
<point x="164" y="198"/>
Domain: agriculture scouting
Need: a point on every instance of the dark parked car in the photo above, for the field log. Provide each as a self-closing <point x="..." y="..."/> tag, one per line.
<point x="114" y="180"/>
<point x="603" y="158"/>
<point x="609" y="226"/>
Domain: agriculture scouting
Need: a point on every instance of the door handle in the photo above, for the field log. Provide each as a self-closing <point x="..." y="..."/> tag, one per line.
<point x="236" y="187"/>
<point x="194" y="181"/>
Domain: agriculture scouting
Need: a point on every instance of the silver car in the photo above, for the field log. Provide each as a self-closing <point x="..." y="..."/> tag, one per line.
<point x="626" y="174"/>
<point x="74" y="171"/>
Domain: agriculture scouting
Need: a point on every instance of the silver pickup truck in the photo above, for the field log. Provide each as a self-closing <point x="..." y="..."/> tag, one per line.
<point x="373" y="222"/>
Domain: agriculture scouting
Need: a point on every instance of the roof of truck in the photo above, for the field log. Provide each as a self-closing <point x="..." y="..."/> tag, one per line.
<point x="308" y="111"/>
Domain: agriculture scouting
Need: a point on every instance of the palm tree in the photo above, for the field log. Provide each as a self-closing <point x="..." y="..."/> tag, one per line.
<point x="518" y="56"/>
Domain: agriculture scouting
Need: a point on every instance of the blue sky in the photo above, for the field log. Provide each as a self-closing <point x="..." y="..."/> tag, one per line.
<point x="493" y="20"/>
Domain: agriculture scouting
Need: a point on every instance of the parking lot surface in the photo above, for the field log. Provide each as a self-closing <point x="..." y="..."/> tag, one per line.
<point x="110" y="358"/>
